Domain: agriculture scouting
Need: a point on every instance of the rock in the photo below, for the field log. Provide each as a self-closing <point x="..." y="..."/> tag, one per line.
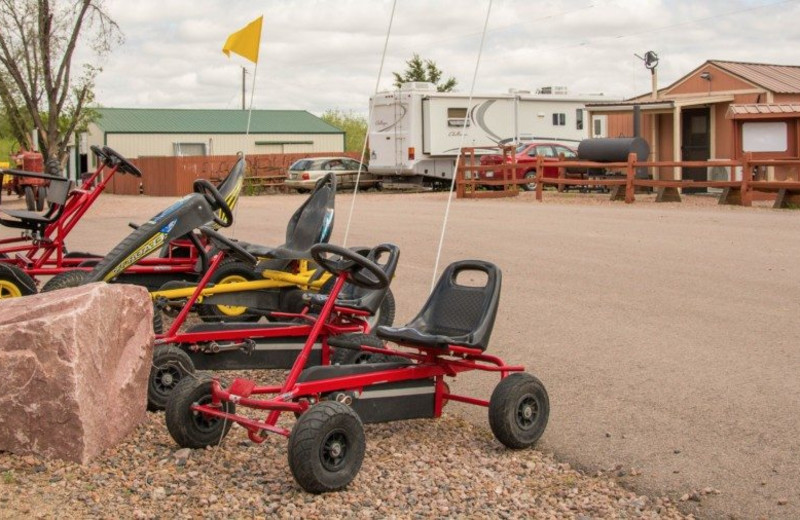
<point x="783" y="501"/>
<point x="73" y="369"/>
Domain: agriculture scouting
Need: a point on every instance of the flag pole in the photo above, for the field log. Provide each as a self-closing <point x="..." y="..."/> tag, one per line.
<point x="250" y="109"/>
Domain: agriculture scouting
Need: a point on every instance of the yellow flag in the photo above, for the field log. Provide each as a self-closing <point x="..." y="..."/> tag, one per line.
<point x="245" y="42"/>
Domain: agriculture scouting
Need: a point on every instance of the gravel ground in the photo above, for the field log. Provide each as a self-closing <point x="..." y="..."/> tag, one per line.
<point x="412" y="469"/>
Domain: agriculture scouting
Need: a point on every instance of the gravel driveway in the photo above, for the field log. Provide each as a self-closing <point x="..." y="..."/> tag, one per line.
<point x="665" y="334"/>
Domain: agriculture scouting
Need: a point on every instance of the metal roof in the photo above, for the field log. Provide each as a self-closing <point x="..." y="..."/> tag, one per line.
<point x="190" y="121"/>
<point x="781" y="79"/>
<point x="764" y="109"/>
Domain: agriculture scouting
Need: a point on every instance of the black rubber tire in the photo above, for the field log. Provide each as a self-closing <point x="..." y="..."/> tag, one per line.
<point x="326" y="447"/>
<point x="158" y="321"/>
<point x="65" y="280"/>
<point x="30" y="198"/>
<point x="170" y="366"/>
<point x="230" y="268"/>
<point x="41" y="198"/>
<point x="530" y="186"/>
<point x="192" y="429"/>
<point x="123" y="250"/>
<point x="15" y="282"/>
<point x="518" y="410"/>
<point x="346" y="349"/>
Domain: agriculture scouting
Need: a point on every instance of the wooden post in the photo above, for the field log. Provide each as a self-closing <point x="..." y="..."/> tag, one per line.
<point x="629" y="176"/>
<point x="460" y="182"/>
<point x="539" y="176"/>
<point x="747" y="178"/>
<point x="561" y="173"/>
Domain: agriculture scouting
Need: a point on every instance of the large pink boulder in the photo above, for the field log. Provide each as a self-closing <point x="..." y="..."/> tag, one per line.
<point x="73" y="369"/>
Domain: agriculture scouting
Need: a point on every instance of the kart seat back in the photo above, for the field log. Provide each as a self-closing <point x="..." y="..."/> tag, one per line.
<point x="311" y="224"/>
<point x="454" y="314"/>
<point x="57" y="194"/>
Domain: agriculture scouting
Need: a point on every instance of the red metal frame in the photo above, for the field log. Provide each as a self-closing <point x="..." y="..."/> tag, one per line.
<point x="45" y="255"/>
<point x="296" y="397"/>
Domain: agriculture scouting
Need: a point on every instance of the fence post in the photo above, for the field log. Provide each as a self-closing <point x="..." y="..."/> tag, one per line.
<point x="561" y="173"/>
<point x="539" y="176"/>
<point x="747" y="178"/>
<point x="460" y="181"/>
<point x="629" y="175"/>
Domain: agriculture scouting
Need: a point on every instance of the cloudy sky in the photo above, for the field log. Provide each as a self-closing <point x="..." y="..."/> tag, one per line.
<point x="326" y="54"/>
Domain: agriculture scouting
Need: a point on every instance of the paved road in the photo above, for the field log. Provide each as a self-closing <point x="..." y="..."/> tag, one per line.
<point x="665" y="334"/>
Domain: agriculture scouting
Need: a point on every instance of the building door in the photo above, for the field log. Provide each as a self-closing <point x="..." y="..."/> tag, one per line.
<point x="695" y="143"/>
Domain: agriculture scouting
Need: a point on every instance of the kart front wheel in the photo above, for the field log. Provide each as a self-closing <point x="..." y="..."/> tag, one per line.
<point x="65" y="280"/>
<point x="326" y="447"/>
<point x="189" y="428"/>
<point x="170" y="366"/>
<point x="229" y="272"/>
<point x="518" y="410"/>
<point x="14" y="282"/>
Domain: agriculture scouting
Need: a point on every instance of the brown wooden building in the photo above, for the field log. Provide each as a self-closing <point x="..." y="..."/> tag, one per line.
<point x="705" y="116"/>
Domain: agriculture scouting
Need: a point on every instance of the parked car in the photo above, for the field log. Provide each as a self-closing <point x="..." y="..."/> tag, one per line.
<point x="526" y="155"/>
<point x="304" y="173"/>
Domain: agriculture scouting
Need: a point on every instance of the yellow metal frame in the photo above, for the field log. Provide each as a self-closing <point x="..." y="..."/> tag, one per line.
<point x="271" y="279"/>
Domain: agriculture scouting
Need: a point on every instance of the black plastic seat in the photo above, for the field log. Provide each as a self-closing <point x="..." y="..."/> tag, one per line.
<point x="454" y="314"/>
<point x="311" y="224"/>
<point x="57" y="194"/>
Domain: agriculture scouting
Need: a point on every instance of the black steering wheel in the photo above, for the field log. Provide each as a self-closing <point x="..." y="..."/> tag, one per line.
<point x="230" y="247"/>
<point x="124" y="164"/>
<point x="101" y="155"/>
<point x="360" y="270"/>
<point x="217" y="201"/>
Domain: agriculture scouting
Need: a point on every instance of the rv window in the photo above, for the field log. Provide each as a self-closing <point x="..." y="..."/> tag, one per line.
<point x="559" y="119"/>
<point x="457" y="117"/>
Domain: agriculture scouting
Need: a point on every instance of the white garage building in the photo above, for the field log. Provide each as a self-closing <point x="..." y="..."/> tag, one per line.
<point x="140" y="132"/>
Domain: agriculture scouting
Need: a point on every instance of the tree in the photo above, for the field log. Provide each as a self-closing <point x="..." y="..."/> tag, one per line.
<point x="38" y="86"/>
<point x="354" y="126"/>
<point x="417" y="70"/>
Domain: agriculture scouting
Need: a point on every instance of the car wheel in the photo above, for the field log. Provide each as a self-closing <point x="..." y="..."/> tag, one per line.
<point x="530" y="186"/>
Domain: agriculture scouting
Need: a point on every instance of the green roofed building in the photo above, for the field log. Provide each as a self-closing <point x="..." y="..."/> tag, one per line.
<point x="145" y="132"/>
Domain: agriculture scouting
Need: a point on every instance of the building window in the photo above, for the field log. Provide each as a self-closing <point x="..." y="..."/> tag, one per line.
<point x="559" y="119"/>
<point x="579" y="118"/>
<point x="764" y="137"/>
<point x="457" y="117"/>
<point x="598" y="127"/>
<point x="188" y="149"/>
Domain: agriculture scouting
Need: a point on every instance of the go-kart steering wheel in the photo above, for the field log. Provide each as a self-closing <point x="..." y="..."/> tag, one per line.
<point x="124" y="164"/>
<point x="229" y="246"/>
<point x="101" y="155"/>
<point x="361" y="271"/>
<point x="215" y="198"/>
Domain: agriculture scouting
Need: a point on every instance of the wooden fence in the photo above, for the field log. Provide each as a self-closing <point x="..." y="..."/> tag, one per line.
<point x="173" y="176"/>
<point x="734" y="191"/>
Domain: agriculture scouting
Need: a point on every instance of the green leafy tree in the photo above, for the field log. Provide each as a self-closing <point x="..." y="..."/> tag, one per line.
<point x="40" y="87"/>
<point x="354" y="126"/>
<point x="419" y="70"/>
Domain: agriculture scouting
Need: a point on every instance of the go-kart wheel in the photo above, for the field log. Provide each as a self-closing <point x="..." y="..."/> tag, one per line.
<point x="217" y="201"/>
<point x="347" y="349"/>
<point x="326" y="447"/>
<point x="189" y="428"/>
<point x="14" y="282"/>
<point x="170" y="366"/>
<point x="30" y="198"/>
<point x="231" y="271"/>
<point x="158" y="321"/>
<point x="65" y="280"/>
<point x="362" y="272"/>
<point x="518" y="410"/>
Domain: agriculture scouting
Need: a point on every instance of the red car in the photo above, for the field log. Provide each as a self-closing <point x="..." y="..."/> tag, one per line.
<point x="526" y="154"/>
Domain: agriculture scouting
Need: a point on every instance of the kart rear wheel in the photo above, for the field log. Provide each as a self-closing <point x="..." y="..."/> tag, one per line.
<point x="231" y="271"/>
<point x="14" y="282"/>
<point x="170" y="365"/>
<point x="30" y="198"/>
<point x="41" y="198"/>
<point x="326" y="447"/>
<point x="189" y="428"/>
<point x="346" y="349"/>
<point x="64" y="280"/>
<point x="518" y="410"/>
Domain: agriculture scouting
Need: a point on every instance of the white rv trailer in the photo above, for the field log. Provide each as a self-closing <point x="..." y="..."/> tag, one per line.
<point x="416" y="132"/>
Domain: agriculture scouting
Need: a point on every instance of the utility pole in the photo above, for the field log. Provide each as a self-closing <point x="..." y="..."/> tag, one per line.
<point x="244" y="80"/>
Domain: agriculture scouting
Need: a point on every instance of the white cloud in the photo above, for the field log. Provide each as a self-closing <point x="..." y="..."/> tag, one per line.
<point x="322" y="54"/>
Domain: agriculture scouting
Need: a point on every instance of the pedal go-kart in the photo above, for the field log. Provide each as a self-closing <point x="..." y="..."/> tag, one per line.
<point x="41" y="247"/>
<point x="327" y="443"/>
<point x="227" y="345"/>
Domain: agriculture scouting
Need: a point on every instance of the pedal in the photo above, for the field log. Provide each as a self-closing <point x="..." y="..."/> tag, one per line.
<point x="242" y="387"/>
